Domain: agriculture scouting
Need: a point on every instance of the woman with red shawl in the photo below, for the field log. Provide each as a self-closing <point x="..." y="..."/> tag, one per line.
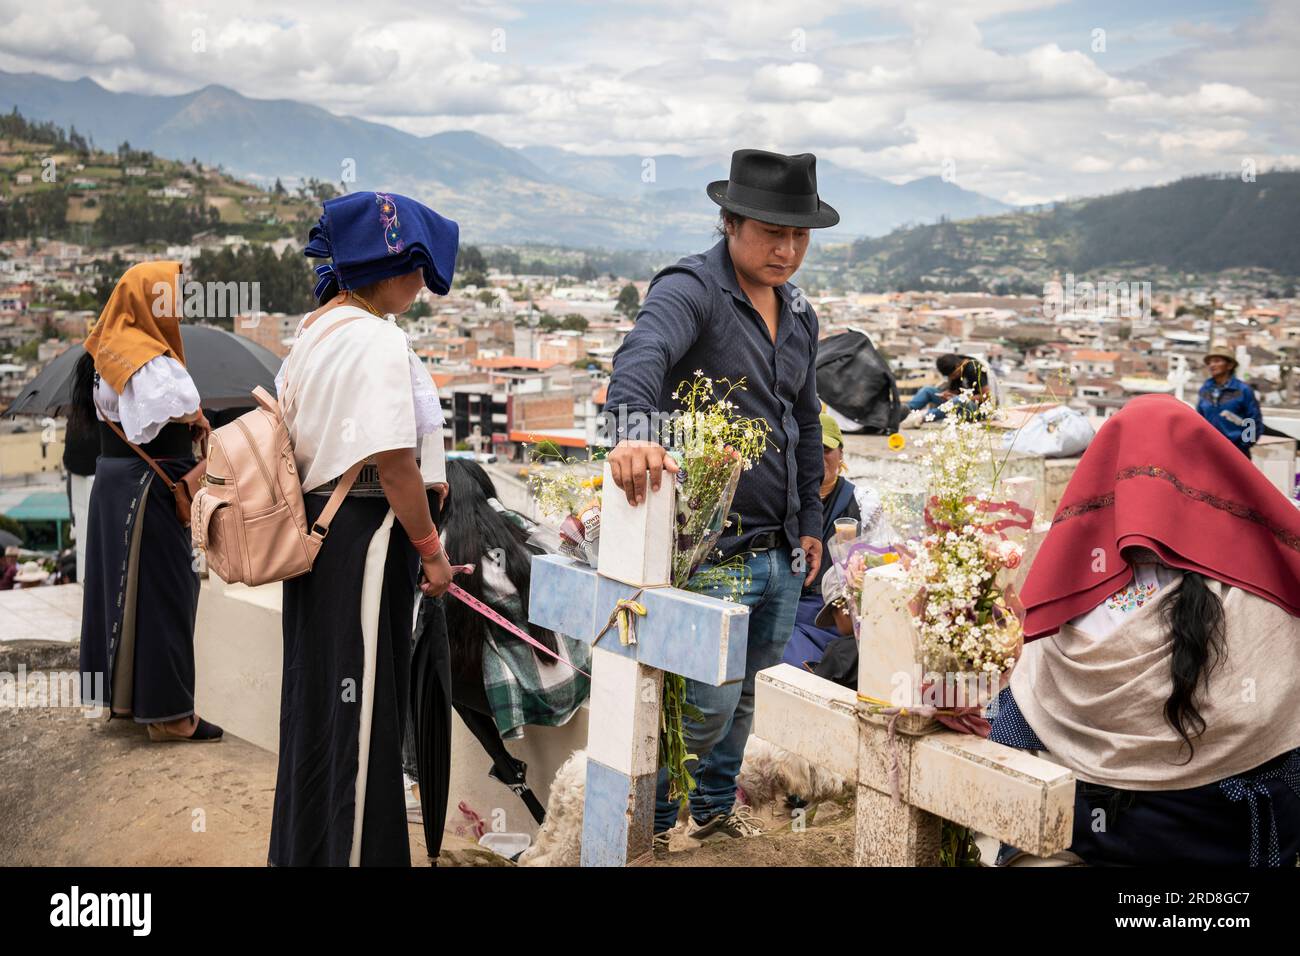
<point x="1162" y="654"/>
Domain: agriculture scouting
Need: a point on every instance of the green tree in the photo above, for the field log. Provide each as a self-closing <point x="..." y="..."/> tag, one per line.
<point x="471" y="260"/>
<point x="629" y="301"/>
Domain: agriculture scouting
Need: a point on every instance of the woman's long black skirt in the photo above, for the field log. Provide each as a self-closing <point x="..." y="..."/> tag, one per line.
<point x="141" y="594"/>
<point x="339" y="798"/>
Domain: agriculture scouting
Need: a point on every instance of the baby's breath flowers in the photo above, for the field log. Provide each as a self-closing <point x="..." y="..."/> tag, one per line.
<point x="960" y="573"/>
<point x="563" y="487"/>
<point x="713" y="444"/>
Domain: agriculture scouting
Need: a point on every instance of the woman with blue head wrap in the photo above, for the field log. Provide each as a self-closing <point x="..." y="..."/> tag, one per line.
<point x="361" y="411"/>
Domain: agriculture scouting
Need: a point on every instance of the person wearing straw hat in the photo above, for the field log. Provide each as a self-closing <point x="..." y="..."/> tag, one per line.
<point x="1228" y="403"/>
<point x="30" y="574"/>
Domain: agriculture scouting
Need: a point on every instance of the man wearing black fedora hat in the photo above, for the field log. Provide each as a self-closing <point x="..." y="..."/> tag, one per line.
<point x="733" y="313"/>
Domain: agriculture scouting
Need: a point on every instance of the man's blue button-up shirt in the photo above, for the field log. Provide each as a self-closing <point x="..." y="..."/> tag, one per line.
<point x="696" y="316"/>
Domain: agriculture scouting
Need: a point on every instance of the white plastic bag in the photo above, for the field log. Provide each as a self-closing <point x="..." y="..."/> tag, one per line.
<point x="1058" y="432"/>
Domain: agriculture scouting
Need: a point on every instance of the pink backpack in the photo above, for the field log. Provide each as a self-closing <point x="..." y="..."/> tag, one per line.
<point x="249" y="517"/>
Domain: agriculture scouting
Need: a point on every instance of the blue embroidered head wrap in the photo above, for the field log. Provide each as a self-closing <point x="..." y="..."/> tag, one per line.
<point x="370" y="236"/>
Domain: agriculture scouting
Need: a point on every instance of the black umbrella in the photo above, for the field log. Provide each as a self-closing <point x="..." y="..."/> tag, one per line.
<point x="225" y="368"/>
<point x="430" y="687"/>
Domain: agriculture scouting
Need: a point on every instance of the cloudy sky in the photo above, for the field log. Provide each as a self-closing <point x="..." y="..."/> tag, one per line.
<point x="1024" y="100"/>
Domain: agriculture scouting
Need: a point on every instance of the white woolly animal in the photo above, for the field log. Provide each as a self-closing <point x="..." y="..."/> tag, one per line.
<point x="767" y="775"/>
<point x="559" y="841"/>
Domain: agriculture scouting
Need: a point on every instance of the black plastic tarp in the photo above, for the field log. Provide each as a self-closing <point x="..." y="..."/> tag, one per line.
<point x="855" y="380"/>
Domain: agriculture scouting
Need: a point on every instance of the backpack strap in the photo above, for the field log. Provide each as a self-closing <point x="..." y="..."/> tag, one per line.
<point x="290" y="395"/>
<point x="336" y="501"/>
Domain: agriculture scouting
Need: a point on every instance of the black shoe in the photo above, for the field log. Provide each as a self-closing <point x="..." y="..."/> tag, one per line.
<point x="204" y="732"/>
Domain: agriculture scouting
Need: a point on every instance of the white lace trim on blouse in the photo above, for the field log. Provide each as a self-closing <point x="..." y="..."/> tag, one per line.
<point x="158" y="392"/>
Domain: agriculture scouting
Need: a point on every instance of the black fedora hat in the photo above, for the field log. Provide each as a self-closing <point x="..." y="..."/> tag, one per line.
<point x="775" y="188"/>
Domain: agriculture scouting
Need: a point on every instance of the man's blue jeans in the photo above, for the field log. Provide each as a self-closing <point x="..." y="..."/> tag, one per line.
<point x="928" y="397"/>
<point x="719" y="738"/>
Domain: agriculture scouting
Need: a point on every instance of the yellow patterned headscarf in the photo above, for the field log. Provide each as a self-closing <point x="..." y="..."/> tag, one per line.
<point x="140" y="322"/>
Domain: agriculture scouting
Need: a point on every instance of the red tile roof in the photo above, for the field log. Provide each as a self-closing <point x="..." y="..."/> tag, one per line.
<point x="564" y="441"/>
<point x="514" y="361"/>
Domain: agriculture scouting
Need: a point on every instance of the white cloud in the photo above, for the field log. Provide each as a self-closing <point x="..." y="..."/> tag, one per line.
<point x="1140" y="164"/>
<point x="1091" y="164"/>
<point x="1209" y="99"/>
<point x="889" y="87"/>
<point x="788" y="82"/>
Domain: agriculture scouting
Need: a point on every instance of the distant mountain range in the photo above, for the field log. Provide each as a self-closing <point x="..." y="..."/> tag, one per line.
<point x="499" y="194"/>
<point x="1202" y="224"/>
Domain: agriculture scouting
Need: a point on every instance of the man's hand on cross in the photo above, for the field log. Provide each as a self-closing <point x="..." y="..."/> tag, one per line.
<point x="629" y="462"/>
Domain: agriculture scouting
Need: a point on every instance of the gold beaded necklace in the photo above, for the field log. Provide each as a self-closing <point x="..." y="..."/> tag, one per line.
<point x="368" y="307"/>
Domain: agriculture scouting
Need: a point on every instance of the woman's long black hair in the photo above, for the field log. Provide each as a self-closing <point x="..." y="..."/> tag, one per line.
<point x="81" y="416"/>
<point x="1193" y="616"/>
<point x="475" y="531"/>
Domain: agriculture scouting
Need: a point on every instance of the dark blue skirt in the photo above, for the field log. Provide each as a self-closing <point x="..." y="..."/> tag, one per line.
<point x="808" y="642"/>
<point x="141" y="593"/>
<point x="1252" y="819"/>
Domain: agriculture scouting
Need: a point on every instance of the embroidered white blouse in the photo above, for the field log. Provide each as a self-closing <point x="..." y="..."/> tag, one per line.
<point x="345" y="411"/>
<point x="157" y="392"/>
<point x="1150" y="576"/>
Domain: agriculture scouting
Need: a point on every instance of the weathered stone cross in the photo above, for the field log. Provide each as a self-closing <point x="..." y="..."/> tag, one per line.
<point x="1008" y="794"/>
<point x="698" y="637"/>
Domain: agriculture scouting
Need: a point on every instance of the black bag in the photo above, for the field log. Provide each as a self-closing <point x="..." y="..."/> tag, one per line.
<point x="855" y="380"/>
<point x="839" y="662"/>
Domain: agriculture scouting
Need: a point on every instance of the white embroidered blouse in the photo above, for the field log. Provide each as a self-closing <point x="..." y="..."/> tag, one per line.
<point x="157" y="392"/>
<point x="1150" y="576"/>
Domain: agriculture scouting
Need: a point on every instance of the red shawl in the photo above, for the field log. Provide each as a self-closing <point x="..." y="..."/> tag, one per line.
<point x="1158" y="476"/>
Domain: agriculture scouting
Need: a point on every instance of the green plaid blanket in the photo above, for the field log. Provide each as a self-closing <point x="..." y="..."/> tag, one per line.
<point x="523" y="687"/>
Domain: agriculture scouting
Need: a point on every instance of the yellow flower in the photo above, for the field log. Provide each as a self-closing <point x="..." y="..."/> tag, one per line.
<point x="897" y="441"/>
<point x="889" y="557"/>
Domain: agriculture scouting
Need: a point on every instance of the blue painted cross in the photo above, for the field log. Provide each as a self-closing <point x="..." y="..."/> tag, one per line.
<point x="698" y="637"/>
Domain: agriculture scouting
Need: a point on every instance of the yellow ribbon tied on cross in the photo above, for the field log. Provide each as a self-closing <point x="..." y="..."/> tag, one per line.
<point x="625" y="613"/>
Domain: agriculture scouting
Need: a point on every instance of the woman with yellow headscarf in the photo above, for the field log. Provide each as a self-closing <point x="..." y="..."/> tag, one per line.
<point x="141" y="589"/>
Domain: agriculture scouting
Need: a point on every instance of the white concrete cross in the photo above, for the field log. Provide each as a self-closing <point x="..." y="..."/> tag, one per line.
<point x="698" y="637"/>
<point x="943" y="775"/>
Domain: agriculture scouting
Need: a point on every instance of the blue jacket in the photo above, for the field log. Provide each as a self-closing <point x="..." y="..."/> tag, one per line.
<point x="1236" y="399"/>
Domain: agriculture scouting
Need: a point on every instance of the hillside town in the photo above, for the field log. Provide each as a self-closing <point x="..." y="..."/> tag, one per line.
<point x="526" y="358"/>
